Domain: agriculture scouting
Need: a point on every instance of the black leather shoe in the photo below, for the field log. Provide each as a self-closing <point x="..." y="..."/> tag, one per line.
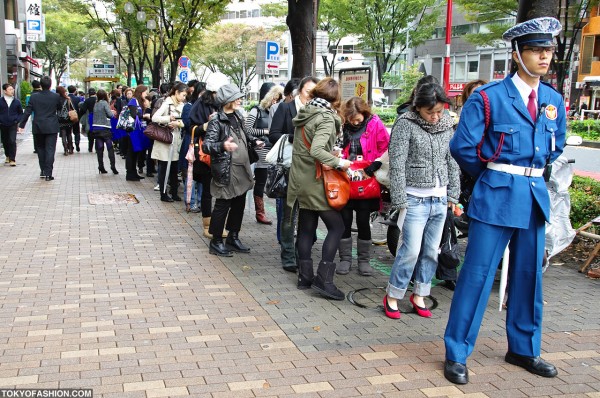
<point x="455" y="372"/>
<point x="450" y="285"/>
<point x="233" y="243"/>
<point x="535" y="365"/>
<point x="217" y="247"/>
<point x="49" y="178"/>
<point x="131" y="179"/>
<point x="176" y="198"/>
<point x="166" y="198"/>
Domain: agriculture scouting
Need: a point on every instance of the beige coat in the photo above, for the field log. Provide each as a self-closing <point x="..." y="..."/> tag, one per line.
<point x="161" y="150"/>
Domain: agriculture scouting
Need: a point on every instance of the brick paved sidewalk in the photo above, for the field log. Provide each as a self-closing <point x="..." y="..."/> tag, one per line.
<point x="125" y="299"/>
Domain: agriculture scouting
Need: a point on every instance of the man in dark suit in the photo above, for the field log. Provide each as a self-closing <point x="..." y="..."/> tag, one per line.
<point x="86" y="109"/>
<point x="76" y="126"/>
<point x="282" y="124"/>
<point x="45" y="104"/>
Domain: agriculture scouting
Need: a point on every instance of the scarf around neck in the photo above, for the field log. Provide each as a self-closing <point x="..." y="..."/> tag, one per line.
<point x="320" y="102"/>
<point x="445" y="122"/>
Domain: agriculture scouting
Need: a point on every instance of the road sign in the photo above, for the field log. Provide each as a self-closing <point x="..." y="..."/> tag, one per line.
<point x="272" y="68"/>
<point x="184" y="62"/>
<point x="272" y="51"/>
<point x="183" y="76"/>
<point x="101" y="70"/>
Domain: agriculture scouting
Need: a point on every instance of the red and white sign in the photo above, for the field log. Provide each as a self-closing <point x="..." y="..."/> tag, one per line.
<point x="457" y="86"/>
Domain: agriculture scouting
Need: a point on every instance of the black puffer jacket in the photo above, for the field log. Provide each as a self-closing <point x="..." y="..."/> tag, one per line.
<point x="218" y="131"/>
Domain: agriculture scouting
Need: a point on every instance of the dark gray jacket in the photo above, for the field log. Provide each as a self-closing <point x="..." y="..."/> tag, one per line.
<point x="420" y="155"/>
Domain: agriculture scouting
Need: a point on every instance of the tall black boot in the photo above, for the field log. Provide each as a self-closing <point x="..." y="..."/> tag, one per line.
<point x="323" y="282"/>
<point x="306" y="274"/>
<point x="100" y="155"/>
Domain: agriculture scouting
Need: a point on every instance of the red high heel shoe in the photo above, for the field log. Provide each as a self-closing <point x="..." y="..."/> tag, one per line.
<point x="421" y="311"/>
<point x="390" y="312"/>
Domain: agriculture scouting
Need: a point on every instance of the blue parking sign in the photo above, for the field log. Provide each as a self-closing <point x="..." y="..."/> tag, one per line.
<point x="272" y="51"/>
<point x="183" y="76"/>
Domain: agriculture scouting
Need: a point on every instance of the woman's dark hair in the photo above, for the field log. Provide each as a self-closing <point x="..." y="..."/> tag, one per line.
<point x="6" y="85"/>
<point x="177" y="88"/>
<point x="199" y="88"/>
<point x="165" y="88"/>
<point x="427" y="79"/>
<point x="469" y="87"/>
<point x="115" y="93"/>
<point x="428" y="95"/>
<point x="329" y="90"/>
<point x="307" y="79"/>
<point x="354" y="106"/>
<point x="290" y="86"/>
<point x="102" y="95"/>
<point x="209" y="98"/>
<point x="60" y="90"/>
<point x="264" y="89"/>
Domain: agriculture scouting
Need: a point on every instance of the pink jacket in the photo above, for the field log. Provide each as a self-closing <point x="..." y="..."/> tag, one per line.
<point x="374" y="141"/>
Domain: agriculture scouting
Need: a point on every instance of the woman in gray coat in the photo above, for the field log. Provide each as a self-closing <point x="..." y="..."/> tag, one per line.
<point x="102" y="133"/>
<point x="424" y="182"/>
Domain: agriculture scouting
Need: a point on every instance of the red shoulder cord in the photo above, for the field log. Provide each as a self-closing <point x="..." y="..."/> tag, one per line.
<point x="487" y="116"/>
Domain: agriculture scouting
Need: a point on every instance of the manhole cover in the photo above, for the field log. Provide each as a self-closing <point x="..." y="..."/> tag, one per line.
<point x="112" y="198"/>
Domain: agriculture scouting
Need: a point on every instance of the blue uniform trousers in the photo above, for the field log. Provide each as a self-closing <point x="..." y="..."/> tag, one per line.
<point x="525" y="298"/>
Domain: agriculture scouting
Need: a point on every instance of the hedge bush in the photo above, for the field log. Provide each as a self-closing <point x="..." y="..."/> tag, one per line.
<point x="25" y="89"/>
<point x="588" y="129"/>
<point x="387" y="115"/>
<point x="585" y="200"/>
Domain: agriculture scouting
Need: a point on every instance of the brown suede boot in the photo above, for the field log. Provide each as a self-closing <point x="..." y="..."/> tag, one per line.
<point x="206" y="224"/>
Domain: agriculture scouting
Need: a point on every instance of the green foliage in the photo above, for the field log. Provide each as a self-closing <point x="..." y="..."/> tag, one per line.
<point x="487" y="16"/>
<point x="64" y="28"/>
<point x="25" y="89"/>
<point x="585" y="200"/>
<point x="387" y="115"/>
<point x="383" y="26"/>
<point x="405" y="81"/>
<point x="231" y="49"/>
<point x="588" y="129"/>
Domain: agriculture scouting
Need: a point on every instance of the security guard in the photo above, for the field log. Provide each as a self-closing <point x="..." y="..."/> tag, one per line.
<point x="510" y="202"/>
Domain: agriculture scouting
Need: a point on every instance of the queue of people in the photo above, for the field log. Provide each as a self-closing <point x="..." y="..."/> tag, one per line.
<point x="509" y="203"/>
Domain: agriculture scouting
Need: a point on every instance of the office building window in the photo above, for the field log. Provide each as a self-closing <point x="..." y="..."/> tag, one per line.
<point x="473" y="70"/>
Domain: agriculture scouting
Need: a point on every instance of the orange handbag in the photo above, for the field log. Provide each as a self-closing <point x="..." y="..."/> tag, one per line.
<point x="335" y="182"/>
<point x="202" y="157"/>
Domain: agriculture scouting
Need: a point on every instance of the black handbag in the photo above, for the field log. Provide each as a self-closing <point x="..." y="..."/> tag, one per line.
<point x="252" y="155"/>
<point x="449" y="256"/>
<point x="277" y="178"/>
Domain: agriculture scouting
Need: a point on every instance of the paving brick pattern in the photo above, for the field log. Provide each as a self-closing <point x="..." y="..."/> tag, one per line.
<point x="125" y="299"/>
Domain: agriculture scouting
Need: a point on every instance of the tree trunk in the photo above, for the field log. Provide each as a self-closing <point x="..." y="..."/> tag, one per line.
<point x="529" y="9"/>
<point x="300" y="20"/>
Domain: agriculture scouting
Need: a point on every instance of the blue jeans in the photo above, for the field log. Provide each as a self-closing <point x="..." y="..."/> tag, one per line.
<point x="196" y="193"/>
<point x="421" y="236"/>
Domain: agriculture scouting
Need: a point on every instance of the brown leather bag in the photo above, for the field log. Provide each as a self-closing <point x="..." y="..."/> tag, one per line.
<point x="158" y="132"/>
<point x="335" y="182"/>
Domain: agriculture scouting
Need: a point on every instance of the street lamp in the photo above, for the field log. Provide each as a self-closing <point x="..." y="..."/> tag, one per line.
<point x="151" y="25"/>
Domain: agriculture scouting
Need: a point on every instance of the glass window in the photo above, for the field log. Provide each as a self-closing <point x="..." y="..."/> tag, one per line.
<point x="243" y="14"/>
<point x="499" y="69"/>
<point x="473" y="70"/>
<point x="459" y="70"/>
<point x="255" y="13"/>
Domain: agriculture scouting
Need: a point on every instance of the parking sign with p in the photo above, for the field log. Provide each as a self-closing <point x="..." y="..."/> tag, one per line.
<point x="272" y="52"/>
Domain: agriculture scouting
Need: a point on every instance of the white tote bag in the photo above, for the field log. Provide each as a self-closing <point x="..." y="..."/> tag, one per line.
<point x="271" y="157"/>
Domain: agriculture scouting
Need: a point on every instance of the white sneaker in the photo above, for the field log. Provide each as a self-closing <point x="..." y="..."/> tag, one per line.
<point x="157" y="187"/>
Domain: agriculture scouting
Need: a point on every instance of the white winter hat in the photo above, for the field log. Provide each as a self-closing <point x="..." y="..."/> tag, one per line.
<point x="216" y="81"/>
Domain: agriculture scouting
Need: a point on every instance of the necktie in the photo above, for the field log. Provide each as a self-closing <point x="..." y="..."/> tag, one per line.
<point x="531" y="106"/>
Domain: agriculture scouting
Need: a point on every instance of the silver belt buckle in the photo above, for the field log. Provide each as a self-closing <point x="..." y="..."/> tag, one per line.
<point x="528" y="171"/>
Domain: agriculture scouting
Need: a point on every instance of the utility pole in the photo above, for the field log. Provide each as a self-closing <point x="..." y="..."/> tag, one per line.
<point x="448" y="38"/>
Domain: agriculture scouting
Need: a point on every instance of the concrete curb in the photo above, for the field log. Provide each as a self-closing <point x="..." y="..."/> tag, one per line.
<point x="591" y="144"/>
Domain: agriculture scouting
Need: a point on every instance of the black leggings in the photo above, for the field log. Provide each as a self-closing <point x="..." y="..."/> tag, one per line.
<point x="260" y="178"/>
<point x="363" y="223"/>
<point x="308" y="221"/>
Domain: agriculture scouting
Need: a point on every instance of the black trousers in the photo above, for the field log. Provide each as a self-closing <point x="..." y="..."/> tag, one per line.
<point x="104" y="138"/>
<point x="130" y="158"/>
<point x="45" y="144"/>
<point x="162" y="173"/>
<point x="206" y="199"/>
<point x="231" y="210"/>
<point x="9" y="141"/>
<point x="77" y="134"/>
<point x="67" y="138"/>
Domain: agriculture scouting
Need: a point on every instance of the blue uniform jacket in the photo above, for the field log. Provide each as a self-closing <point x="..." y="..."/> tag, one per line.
<point x="500" y="198"/>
